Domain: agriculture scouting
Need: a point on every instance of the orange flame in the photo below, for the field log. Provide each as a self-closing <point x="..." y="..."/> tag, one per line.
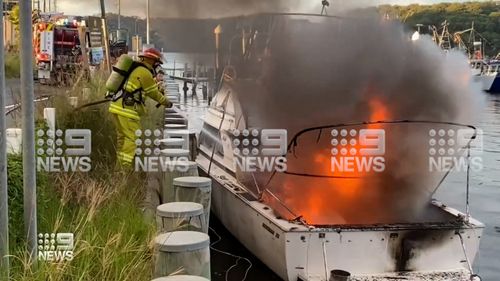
<point x="322" y="200"/>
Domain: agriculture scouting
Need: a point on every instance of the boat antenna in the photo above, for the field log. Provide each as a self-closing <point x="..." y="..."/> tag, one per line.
<point x="325" y="4"/>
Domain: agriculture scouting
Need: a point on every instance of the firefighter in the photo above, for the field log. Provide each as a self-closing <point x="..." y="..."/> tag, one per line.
<point x="160" y="76"/>
<point x="130" y="106"/>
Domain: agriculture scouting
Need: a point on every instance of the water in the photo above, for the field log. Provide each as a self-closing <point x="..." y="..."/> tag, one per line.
<point x="176" y="62"/>
<point x="484" y="196"/>
<point x="484" y="192"/>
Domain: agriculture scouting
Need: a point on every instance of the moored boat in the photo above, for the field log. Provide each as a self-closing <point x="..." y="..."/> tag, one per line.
<point x="307" y="224"/>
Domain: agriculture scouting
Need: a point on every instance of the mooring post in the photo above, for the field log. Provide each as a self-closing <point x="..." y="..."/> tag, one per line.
<point x="193" y="90"/>
<point x="185" y="89"/>
<point x="205" y="91"/>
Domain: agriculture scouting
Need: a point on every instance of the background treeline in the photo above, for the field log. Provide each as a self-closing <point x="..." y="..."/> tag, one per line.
<point x="485" y="15"/>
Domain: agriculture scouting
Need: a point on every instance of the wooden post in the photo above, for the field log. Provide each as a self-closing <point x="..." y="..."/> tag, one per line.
<point x="82" y="32"/>
<point x="106" y="36"/>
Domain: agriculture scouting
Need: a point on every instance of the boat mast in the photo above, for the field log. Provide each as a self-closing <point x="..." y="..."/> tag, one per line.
<point x="444" y="41"/>
<point x="325" y="5"/>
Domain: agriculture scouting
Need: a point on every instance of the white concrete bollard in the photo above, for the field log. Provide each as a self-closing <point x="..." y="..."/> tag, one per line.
<point x="183" y="252"/>
<point x="175" y="154"/>
<point x="176" y="126"/>
<point x="175" y="169"/>
<point x="181" y="216"/>
<point x="171" y="120"/>
<point x="14" y="139"/>
<point x="73" y="101"/>
<point x="175" y="143"/>
<point x="49" y="114"/>
<point x="194" y="189"/>
<point x="181" y="278"/>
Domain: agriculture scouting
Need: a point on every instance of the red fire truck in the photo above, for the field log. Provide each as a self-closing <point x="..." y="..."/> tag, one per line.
<point x="58" y="47"/>
<point x="58" y="50"/>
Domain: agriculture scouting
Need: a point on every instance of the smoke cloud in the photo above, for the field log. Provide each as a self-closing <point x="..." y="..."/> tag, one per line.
<point x="220" y="8"/>
<point x="194" y="8"/>
<point x="342" y="71"/>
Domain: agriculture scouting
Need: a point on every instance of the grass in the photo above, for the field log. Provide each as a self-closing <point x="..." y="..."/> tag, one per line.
<point x="12" y="65"/>
<point x="103" y="208"/>
<point x="112" y="237"/>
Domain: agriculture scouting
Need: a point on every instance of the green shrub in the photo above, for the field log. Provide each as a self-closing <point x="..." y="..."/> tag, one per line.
<point x="12" y="65"/>
<point x="102" y="208"/>
<point x="15" y="185"/>
<point x="16" y="198"/>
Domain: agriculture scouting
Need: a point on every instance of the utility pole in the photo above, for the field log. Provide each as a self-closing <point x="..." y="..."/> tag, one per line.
<point x="217" y="32"/>
<point x="147" y="23"/>
<point x="28" y="121"/>
<point x="119" y="14"/>
<point x="218" y="57"/>
<point x="4" y="195"/>
<point x="136" y="18"/>
<point x="105" y="35"/>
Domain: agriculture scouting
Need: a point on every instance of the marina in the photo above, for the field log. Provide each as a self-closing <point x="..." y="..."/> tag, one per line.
<point x="484" y="189"/>
<point x="251" y="147"/>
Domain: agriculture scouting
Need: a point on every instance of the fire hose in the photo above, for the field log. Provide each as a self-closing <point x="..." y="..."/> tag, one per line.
<point x="92" y="104"/>
<point x="108" y="99"/>
<point x="98" y="103"/>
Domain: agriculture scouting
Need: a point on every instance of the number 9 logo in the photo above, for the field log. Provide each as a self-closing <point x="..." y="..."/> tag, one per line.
<point x="79" y="142"/>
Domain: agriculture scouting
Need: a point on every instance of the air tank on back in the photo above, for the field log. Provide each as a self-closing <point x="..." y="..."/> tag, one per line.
<point x="119" y="74"/>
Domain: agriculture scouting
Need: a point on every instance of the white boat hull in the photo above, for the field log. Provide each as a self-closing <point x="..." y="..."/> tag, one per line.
<point x="295" y="251"/>
<point x="487" y="81"/>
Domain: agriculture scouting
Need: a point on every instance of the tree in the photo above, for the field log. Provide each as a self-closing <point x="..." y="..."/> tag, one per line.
<point x="14" y="19"/>
<point x="485" y="16"/>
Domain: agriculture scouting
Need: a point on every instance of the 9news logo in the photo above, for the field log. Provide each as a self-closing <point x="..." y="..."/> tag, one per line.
<point x="260" y="151"/>
<point x="358" y="151"/>
<point x="149" y="156"/>
<point x="448" y="150"/>
<point x="55" y="247"/>
<point x="64" y="151"/>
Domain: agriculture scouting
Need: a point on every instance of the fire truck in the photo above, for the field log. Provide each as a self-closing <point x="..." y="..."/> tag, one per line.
<point x="58" y="50"/>
<point x="59" y="43"/>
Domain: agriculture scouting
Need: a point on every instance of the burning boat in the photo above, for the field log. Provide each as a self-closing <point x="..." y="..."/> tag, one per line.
<point x="319" y="196"/>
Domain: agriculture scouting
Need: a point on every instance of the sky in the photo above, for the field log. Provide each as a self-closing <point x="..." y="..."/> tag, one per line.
<point x="167" y="8"/>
